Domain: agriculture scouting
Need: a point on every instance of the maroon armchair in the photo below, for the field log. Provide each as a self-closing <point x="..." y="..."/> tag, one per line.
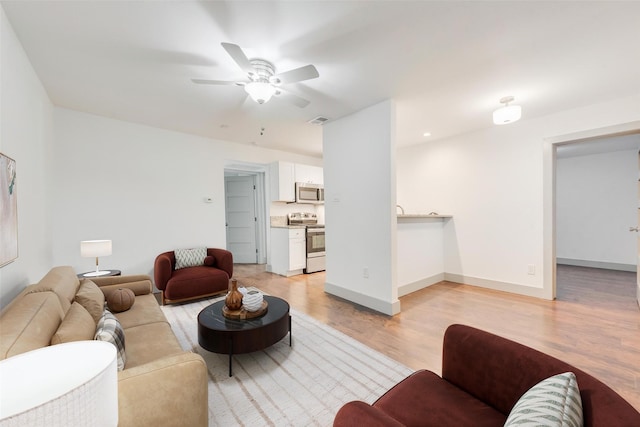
<point x="193" y="282"/>
<point x="483" y="376"/>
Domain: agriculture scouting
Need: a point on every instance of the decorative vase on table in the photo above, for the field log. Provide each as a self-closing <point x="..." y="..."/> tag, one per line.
<point x="233" y="301"/>
<point x="252" y="301"/>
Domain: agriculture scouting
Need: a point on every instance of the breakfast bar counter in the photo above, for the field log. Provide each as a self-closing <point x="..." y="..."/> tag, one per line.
<point x="420" y="246"/>
<point x="403" y="217"/>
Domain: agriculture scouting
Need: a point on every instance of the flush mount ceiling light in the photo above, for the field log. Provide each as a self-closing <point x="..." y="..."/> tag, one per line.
<point x="508" y="113"/>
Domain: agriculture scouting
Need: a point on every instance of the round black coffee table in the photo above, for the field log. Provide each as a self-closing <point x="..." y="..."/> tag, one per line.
<point x="219" y="334"/>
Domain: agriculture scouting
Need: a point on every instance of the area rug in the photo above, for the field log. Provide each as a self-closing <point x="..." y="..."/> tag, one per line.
<point x="302" y="385"/>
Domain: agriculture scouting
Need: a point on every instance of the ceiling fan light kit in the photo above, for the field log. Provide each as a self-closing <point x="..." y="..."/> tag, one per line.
<point x="260" y="92"/>
<point x="508" y="113"/>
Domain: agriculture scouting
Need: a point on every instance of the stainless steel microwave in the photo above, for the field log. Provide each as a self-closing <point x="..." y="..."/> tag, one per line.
<point x="309" y="193"/>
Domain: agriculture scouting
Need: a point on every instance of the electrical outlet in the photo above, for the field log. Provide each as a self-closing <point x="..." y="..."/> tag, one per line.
<point x="531" y="269"/>
<point x="365" y="272"/>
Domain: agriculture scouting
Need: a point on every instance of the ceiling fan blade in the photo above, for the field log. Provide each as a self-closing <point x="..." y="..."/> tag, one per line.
<point x="307" y="72"/>
<point x="239" y="57"/>
<point x="293" y="99"/>
<point x="217" y="82"/>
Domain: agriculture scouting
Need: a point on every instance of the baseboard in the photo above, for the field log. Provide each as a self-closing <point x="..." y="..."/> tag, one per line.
<point x="597" y="264"/>
<point x="497" y="286"/>
<point x="420" y="284"/>
<point x="384" y="307"/>
<point x="287" y="273"/>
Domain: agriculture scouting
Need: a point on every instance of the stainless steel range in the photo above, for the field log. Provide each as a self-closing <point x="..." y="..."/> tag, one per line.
<point x="314" y="239"/>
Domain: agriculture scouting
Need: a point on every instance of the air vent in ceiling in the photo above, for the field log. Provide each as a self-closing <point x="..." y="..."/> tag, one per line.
<point x="318" y="120"/>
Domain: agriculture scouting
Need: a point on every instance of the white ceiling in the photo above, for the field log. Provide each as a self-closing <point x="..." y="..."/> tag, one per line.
<point x="445" y="63"/>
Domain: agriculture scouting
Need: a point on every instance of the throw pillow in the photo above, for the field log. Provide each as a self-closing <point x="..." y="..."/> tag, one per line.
<point x="110" y="330"/>
<point x="209" y="261"/>
<point x="91" y="297"/>
<point x="190" y="257"/>
<point x="77" y="325"/>
<point x="120" y="300"/>
<point x="552" y="402"/>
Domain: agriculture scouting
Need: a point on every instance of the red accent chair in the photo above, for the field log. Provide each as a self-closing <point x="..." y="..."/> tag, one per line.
<point x="483" y="376"/>
<point x="193" y="282"/>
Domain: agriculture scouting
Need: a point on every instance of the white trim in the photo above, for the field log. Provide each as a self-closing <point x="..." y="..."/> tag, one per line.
<point x="549" y="219"/>
<point x="549" y="189"/>
<point x="420" y="284"/>
<point x="608" y="131"/>
<point x="385" y="307"/>
<point x="260" y="173"/>
<point x="597" y="264"/>
<point x="497" y="286"/>
<point x="287" y="273"/>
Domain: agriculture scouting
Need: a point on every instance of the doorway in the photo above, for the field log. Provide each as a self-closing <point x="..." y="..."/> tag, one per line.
<point x="613" y="138"/>
<point x="241" y="218"/>
<point x="245" y="212"/>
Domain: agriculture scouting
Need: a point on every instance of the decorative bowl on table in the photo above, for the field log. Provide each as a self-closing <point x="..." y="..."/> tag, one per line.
<point x="252" y="301"/>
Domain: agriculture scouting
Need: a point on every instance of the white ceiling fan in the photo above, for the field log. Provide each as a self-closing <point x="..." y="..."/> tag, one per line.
<point x="263" y="81"/>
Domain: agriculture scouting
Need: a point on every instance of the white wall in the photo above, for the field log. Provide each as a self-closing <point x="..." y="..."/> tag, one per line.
<point x="493" y="183"/>
<point x="596" y="203"/>
<point x="359" y="176"/>
<point x="25" y="136"/>
<point x="420" y="253"/>
<point x="141" y="187"/>
<point x="490" y="182"/>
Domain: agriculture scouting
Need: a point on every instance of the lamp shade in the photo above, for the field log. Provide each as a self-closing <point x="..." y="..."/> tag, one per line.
<point x="71" y="384"/>
<point x="507" y="114"/>
<point x="260" y="92"/>
<point x="95" y="248"/>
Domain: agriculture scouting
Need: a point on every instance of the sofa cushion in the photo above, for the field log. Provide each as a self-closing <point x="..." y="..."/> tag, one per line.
<point x="153" y="341"/>
<point x="139" y="287"/>
<point x="29" y="323"/>
<point x="190" y="257"/>
<point x="552" y="402"/>
<point x="77" y="325"/>
<point x="110" y="330"/>
<point x="425" y="399"/>
<point x="91" y="298"/>
<point x="143" y="312"/>
<point x="60" y="280"/>
<point x="192" y="281"/>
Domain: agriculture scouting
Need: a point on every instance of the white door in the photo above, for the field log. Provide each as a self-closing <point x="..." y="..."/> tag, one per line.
<point x="240" y="209"/>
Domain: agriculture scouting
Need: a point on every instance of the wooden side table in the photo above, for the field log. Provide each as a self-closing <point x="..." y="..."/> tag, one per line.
<point x="87" y="274"/>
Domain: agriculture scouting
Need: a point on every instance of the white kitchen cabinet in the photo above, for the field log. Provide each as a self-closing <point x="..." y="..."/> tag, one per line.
<point x="309" y="174"/>
<point x="288" y="251"/>
<point x="297" y="252"/>
<point x="282" y="182"/>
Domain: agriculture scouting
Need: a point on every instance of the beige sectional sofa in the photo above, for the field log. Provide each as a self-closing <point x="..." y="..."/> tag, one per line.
<point x="161" y="384"/>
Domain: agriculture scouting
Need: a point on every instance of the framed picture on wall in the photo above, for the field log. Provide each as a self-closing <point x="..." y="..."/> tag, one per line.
<point x="8" y="210"/>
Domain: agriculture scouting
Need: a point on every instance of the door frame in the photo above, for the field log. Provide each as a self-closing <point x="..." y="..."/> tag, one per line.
<point x="234" y="168"/>
<point x="549" y="158"/>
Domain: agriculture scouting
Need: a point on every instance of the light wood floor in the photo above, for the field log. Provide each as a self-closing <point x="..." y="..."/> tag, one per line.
<point x="594" y="324"/>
